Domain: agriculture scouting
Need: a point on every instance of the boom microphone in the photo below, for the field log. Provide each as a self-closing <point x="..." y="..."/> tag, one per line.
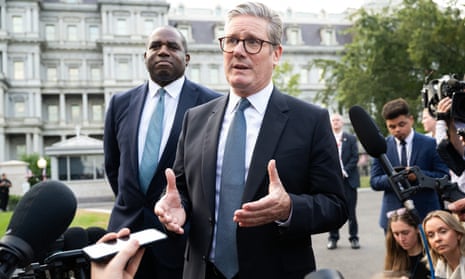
<point x="41" y="216"/>
<point x="370" y="137"/>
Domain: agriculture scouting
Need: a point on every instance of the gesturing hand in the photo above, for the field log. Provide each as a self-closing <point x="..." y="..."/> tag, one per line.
<point x="272" y="207"/>
<point x="169" y="209"/>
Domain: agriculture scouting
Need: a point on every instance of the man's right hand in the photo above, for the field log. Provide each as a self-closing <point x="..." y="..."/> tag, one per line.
<point x="169" y="208"/>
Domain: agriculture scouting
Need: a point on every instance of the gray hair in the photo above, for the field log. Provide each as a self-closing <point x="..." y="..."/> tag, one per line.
<point x="275" y="24"/>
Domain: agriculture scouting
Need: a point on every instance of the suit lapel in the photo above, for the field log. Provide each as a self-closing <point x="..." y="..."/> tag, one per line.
<point x="187" y="99"/>
<point x="274" y="122"/>
<point x="136" y="105"/>
<point x="210" y="151"/>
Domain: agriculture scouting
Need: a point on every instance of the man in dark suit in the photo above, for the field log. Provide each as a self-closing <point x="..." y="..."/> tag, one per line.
<point x="126" y="128"/>
<point x="419" y="150"/>
<point x="348" y="152"/>
<point x="292" y="187"/>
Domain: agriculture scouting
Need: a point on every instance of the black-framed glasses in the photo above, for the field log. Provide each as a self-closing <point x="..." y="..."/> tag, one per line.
<point x="251" y="46"/>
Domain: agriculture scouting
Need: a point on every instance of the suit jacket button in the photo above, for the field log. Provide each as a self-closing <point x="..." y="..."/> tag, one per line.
<point x="204" y="258"/>
<point x="210" y="220"/>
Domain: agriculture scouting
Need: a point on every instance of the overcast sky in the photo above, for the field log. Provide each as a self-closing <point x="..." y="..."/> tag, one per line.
<point x="330" y="6"/>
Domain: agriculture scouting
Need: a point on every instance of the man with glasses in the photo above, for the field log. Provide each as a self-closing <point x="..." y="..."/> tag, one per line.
<point x="256" y="172"/>
<point x="406" y="148"/>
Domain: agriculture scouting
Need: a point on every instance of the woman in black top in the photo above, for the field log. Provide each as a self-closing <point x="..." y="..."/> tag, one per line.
<point x="404" y="249"/>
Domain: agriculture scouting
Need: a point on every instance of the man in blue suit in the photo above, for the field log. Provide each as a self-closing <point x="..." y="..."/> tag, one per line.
<point x="126" y="129"/>
<point x="419" y="150"/>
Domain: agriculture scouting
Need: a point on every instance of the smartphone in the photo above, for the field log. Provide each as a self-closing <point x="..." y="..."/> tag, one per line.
<point x="106" y="250"/>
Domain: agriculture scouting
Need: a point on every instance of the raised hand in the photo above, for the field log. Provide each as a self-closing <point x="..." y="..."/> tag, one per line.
<point x="276" y="206"/>
<point x="169" y="208"/>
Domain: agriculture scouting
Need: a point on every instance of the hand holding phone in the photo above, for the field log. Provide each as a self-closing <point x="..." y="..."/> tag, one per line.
<point x="105" y="250"/>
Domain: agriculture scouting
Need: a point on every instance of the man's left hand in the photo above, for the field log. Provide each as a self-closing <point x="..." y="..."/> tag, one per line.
<point x="276" y="206"/>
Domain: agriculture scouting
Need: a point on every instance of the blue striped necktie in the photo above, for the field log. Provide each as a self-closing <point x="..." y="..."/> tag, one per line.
<point x="149" y="162"/>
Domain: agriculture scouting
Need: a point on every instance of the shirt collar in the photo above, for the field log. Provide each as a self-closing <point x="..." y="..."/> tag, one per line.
<point x="408" y="139"/>
<point x="173" y="89"/>
<point x="258" y="100"/>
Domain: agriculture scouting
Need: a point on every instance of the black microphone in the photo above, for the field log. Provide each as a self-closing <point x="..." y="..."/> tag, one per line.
<point x="40" y="217"/>
<point x="94" y="234"/>
<point x="75" y="238"/>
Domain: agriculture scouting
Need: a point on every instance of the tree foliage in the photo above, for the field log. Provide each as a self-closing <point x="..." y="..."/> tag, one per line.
<point x="285" y="79"/>
<point x="391" y="55"/>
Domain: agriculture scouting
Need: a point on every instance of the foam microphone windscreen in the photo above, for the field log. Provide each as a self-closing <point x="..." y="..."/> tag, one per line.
<point x="40" y="217"/>
<point x="367" y="132"/>
<point x="94" y="234"/>
<point x="75" y="238"/>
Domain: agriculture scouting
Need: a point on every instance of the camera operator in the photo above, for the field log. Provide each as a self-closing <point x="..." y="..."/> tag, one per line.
<point x="446" y="130"/>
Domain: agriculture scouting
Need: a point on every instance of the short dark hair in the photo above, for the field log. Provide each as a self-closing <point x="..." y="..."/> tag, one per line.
<point x="395" y="108"/>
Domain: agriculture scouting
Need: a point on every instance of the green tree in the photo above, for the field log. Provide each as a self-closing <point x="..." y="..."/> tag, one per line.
<point x="391" y="54"/>
<point x="35" y="170"/>
<point x="285" y="80"/>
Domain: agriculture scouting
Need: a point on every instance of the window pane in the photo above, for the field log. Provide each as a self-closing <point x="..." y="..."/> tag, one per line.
<point x="75" y="113"/>
<point x="121" y="26"/>
<point x="97" y="113"/>
<point x="51" y="74"/>
<point x="73" y="73"/>
<point x="20" y="110"/>
<point x="18" y="70"/>
<point x="62" y="168"/>
<point x="72" y="33"/>
<point x="52" y="113"/>
<point x="50" y="33"/>
<point x="93" y="33"/>
<point x="95" y="73"/>
<point x="76" y="168"/>
<point x="17" y="24"/>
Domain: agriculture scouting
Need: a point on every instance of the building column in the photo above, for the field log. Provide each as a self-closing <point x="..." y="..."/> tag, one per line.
<point x="62" y="108"/>
<point x="85" y="109"/>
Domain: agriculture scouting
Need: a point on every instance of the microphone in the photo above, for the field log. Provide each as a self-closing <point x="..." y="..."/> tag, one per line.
<point x="41" y="216"/>
<point x="75" y="238"/>
<point x="94" y="234"/>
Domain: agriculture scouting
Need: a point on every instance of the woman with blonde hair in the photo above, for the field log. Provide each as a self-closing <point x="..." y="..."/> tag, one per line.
<point x="446" y="241"/>
<point x="404" y="249"/>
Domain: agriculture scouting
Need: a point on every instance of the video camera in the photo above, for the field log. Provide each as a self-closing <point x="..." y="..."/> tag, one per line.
<point x="446" y="86"/>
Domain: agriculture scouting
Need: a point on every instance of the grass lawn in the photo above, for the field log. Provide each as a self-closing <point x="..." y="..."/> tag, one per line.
<point x="83" y="218"/>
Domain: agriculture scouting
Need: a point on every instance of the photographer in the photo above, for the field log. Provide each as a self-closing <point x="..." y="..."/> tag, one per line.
<point x="446" y="131"/>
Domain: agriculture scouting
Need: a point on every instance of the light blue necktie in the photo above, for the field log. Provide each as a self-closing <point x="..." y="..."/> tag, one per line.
<point x="231" y="189"/>
<point x="149" y="162"/>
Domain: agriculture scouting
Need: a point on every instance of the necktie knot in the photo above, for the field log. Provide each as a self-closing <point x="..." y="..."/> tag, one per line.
<point x="161" y="92"/>
<point x="403" y="142"/>
<point x="243" y="104"/>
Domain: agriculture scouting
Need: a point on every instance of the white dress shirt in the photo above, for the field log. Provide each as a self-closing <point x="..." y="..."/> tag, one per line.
<point x="173" y="91"/>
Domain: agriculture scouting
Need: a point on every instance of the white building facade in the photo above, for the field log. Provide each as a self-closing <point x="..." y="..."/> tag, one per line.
<point x="61" y="60"/>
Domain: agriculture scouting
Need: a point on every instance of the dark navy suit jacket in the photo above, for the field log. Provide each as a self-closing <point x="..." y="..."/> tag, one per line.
<point x="132" y="208"/>
<point x="298" y="135"/>
<point x="349" y="157"/>
<point x="424" y="156"/>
